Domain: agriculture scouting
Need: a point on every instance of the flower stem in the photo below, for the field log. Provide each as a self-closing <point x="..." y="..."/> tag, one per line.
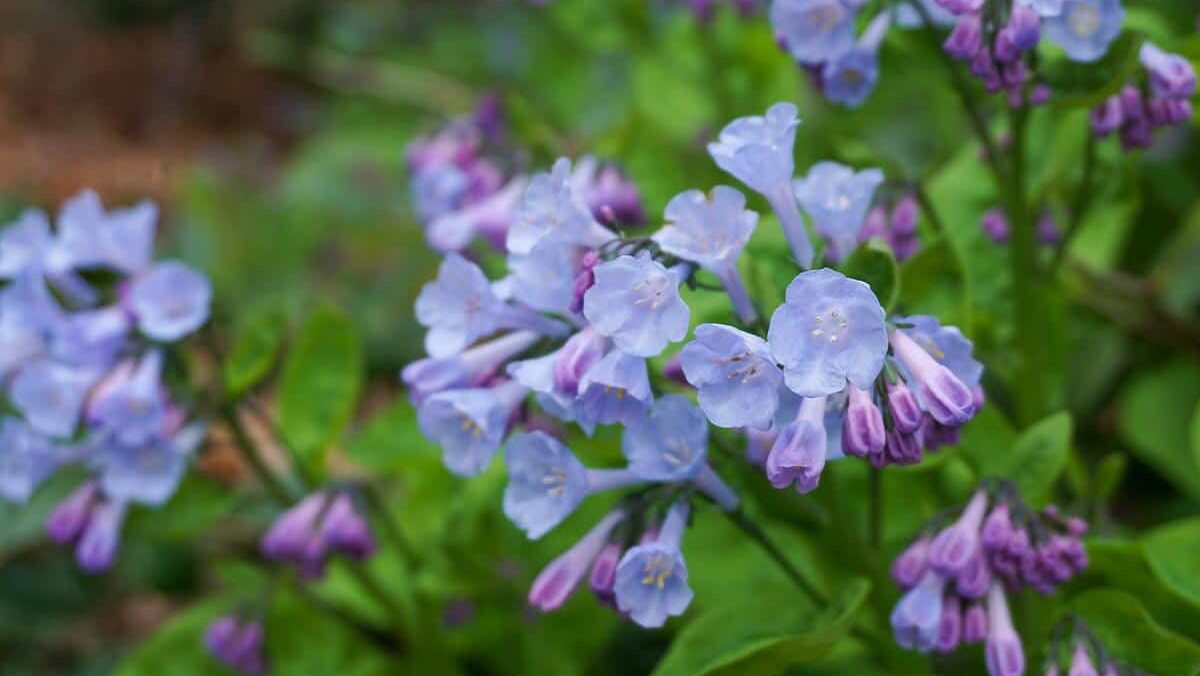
<point x="875" y="526"/>
<point x="760" y="537"/>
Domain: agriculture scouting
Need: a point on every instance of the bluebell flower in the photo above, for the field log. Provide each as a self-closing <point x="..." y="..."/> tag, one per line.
<point x="27" y="457"/>
<point x="1003" y="651"/>
<point x="635" y="301"/>
<point x="130" y="403"/>
<point x="758" y="151"/>
<point x="426" y="377"/>
<point x="1171" y="75"/>
<point x="237" y="643"/>
<point x="940" y="391"/>
<point x="711" y="231"/>
<point x="670" y="444"/>
<point x="470" y="424"/>
<point x="1045" y="7"/>
<point x="346" y="530"/>
<point x="652" y="578"/>
<point x="51" y="395"/>
<point x="552" y="210"/>
<point x="170" y="300"/>
<point x="537" y="374"/>
<point x="1085" y="28"/>
<point x="69" y="517"/>
<point x="459" y="307"/>
<point x="946" y="344"/>
<point x="438" y="191"/>
<point x="544" y="277"/>
<point x="615" y="389"/>
<point x="489" y="217"/>
<point x="149" y="472"/>
<point x="954" y="546"/>
<point x="546" y="482"/>
<point x="850" y="78"/>
<point x="837" y="199"/>
<point x="917" y="615"/>
<point x="829" y="330"/>
<point x="562" y="576"/>
<point x="90" y="337"/>
<point x="96" y="548"/>
<point x="24" y="243"/>
<point x="863" y="432"/>
<point x="735" y="375"/>
<point x="814" y="31"/>
<point x="90" y="237"/>
<point x="799" y="452"/>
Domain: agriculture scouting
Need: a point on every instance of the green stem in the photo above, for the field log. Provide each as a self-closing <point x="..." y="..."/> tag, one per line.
<point x="391" y="529"/>
<point x="760" y="537"/>
<point x="382" y="639"/>
<point x="1082" y="199"/>
<point x="247" y="448"/>
<point x="875" y="480"/>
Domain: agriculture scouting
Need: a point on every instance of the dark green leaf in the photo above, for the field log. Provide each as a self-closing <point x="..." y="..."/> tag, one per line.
<point x="1155" y="415"/>
<point x="178" y="649"/>
<point x="1131" y="635"/>
<point x="875" y="264"/>
<point x="1173" y="552"/>
<point x="255" y="348"/>
<point x="1040" y="456"/>
<point x="390" y="438"/>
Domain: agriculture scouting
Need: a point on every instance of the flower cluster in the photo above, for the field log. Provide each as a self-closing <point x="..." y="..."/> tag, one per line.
<point x="896" y="227"/>
<point x="237" y="643"/>
<point x="317" y="527"/>
<point x="582" y="309"/>
<point x="463" y="186"/>
<point x="86" y="320"/>
<point x="956" y="577"/>
<point x="1136" y="111"/>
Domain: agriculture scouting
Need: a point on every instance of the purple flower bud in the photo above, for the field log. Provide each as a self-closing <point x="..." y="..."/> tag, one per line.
<point x="874" y="225"/>
<point x="1047" y="230"/>
<point x="1171" y="75"/>
<point x="578" y="354"/>
<point x="1081" y="661"/>
<point x="239" y="647"/>
<point x="942" y="393"/>
<point x="974" y="623"/>
<point x="906" y="412"/>
<point x="798" y="455"/>
<point x="604" y="573"/>
<point x="904" y="216"/>
<point x="1108" y="116"/>
<point x="997" y="528"/>
<point x="950" y="625"/>
<point x="1024" y="27"/>
<point x="966" y="38"/>
<point x="954" y="546"/>
<point x="97" y="546"/>
<point x="1132" y="106"/>
<point x="961" y="6"/>
<point x="585" y="279"/>
<point x="558" y="580"/>
<point x="70" y="516"/>
<point x="346" y="530"/>
<point x="863" y="433"/>
<point x="471" y="368"/>
<point x="976" y="576"/>
<point x="287" y="538"/>
<point x="900" y="449"/>
<point x="1040" y="94"/>
<point x="910" y="566"/>
<point x="995" y="226"/>
<point x="1004" y="653"/>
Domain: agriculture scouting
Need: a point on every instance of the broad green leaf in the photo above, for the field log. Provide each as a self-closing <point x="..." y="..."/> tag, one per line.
<point x="875" y="264"/>
<point x="743" y="639"/>
<point x="1196" y="437"/>
<point x="1124" y="565"/>
<point x="255" y="348"/>
<point x="988" y="441"/>
<point x="304" y="640"/>
<point x="1131" y="635"/>
<point x="1173" y="552"/>
<point x="1040" y="456"/>
<point x="320" y="383"/>
<point x="1155" y="415"/>
<point x="177" y="649"/>
<point x="390" y="439"/>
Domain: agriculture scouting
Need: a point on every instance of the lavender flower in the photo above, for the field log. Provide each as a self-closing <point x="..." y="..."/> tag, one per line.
<point x="863" y="432"/>
<point x="470" y="424"/>
<point x="1044" y="7"/>
<point x="1005" y="656"/>
<point x="799" y="453"/>
<point x="90" y="237"/>
<point x="652" y="578"/>
<point x="544" y="277"/>
<point x="814" y="31"/>
<point x="148" y="472"/>
<point x="458" y="308"/>
<point x="917" y="617"/>
<point x="736" y="377"/>
<point x="670" y="444"/>
<point x="169" y="301"/>
<point x="51" y="395"/>
<point x="491" y="217"/>
<point x="829" y="330"/>
<point x="941" y="392"/>
<point x="27" y="457"/>
<point x="837" y="199"/>
<point x="558" y="580"/>
<point x="953" y="548"/>
<point x="130" y="403"/>
<point x="1085" y="28"/>
<point x="1171" y="75"/>
<point x="850" y="78"/>
<point x="635" y="301"/>
<point x="318" y="526"/>
<point x="426" y="377"/>
<point x="552" y="210"/>
<point x="614" y="389"/>
<point x="237" y="643"/>
<point x="96" y="544"/>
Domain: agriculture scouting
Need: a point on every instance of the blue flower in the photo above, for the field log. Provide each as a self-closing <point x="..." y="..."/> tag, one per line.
<point x="1003" y="651"/>
<point x="907" y="17"/>
<point x="147" y="473"/>
<point x="459" y="307"/>
<point x="814" y="30"/>
<point x="849" y="79"/>
<point x="946" y="344"/>
<point x="130" y="403"/>
<point x="438" y="191"/>
<point x="469" y="424"/>
<point x="799" y="452"/>
<point x="24" y="243"/>
<point x="735" y="375"/>
<point x="635" y="301"/>
<point x="837" y="199"/>
<point x="51" y="395"/>
<point x="1085" y="28"/>
<point x="545" y="482"/>
<point x="711" y="231"/>
<point x="1171" y="75"/>
<point x="670" y="444"/>
<point x="27" y="457"/>
<point x="543" y="278"/>
<point x="170" y="301"/>
<point x="491" y="217"/>
<point x="615" y="389"/>
<point x="469" y="368"/>
<point x="91" y="337"/>
<point x="830" y="329"/>
<point x="90" y="237"/>
<point x="551" y="209"/>
<point x="918" y="614"/>
<point x="1045" y="7"/>
<point x="101" y="536"/>
<point x="652" y="578"/>
<point x="561" y="577"/>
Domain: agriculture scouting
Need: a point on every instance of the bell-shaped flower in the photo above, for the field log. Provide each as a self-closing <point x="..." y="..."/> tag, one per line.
<point x="546" y="482"/>
<point x="670" y="444"/>
<point x="863" y="433"/>
<point x="169" y="301"/>
<point x="470" y="424"/>
<point x="90" y="237"/>
<point x="757" y="150"/>
<point x="562" y="576"/>
<point x="829" y="330"/>
<point x="942" y="393"/>
<point x="711" y="231"/>
<point x="51" y="395"/>
<point x="148" y="472"/>
<point x="799" y="453"/>
<point x="909" y="568"/>
<point x="918" y="615"/>
<point x="96" y="548"/>
<point x="91" y="337"/>
<point x="814" y="31"/>
<point x="24" y="243"/>
<point x="635" y="301"/>
<point x="974" y="627"/>
<point x="955" y="545"/>
<point x="604" y="573"/>
<point x="652" y="578"/>
<point x="1171" y="75"/>
<point x="237" y="643"/>
<point x="735" y="376"/>
<point x="458" y="308"/>
<point x="544" y="277"/>
<point x="1005" y="656"/>
<point x="27" y="458"/>
<point x="615" y="389"/>
<point x="130" y="403"/>
<point x="490" y="217"/>
<point x="346" y="530"/>
<point x="552" y="210"/>
<point x="426" y="377"/>
<point x="850" y="78"/>
<point x="837" y="198"/>
<point x="1085" y="28"/>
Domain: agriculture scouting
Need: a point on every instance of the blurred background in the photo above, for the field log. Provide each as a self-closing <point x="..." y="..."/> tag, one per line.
<point x="272" y="134"/>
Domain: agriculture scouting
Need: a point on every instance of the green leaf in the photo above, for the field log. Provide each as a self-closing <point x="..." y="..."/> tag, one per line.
<point x="1085" y="85"/>
<point x="1039" y="456"/>
<point x="988" y="441"/>
<point x="1124" y="565"/>
<point x="292" y="625"/>
<point x="1155" y="415"/>
<point x="1173" y="552"/>
<point x="875" y="264"/>
<point x="742" y="639"/>
<point x="1108" y="476"/>
<point x="320" y="383"/>
<point x="1131" y="635"/>
<point x="390" y="440"/>
<point x="255" y="348"/>
<point x="177" y="649"/>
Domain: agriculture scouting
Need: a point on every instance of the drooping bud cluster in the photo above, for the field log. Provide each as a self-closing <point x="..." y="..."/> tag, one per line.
<point x="995" y="226"/>
<point x="319" y="526"/>
<point x="238" y="643"/>
<point x="956" y="575"/>
<point x="897" y="228"/>
<point x="463" y="187"/>
<point x="1075" y="650"/>
<point x="1138" y="109"/>
<point x="820" y="36"/>
<point x="86" y="317"/>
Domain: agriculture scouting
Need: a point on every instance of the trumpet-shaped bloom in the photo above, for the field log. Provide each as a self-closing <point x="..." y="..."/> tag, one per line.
<point x="1171" y="75"/>
<point x="849" y="79"/>
<point x="670" y="444"/>
<point x="98" y="543"/>
<point x="130" y="404"/>
<point x="147" y="473"/>
<point x="829" y="330"/>
<point x="469" y="424"/>
<point x="1085" y="28"/>
<point x="90" y="337"/>
<point x="426" y="377"/>
<point x="459" y="307"/>
<point x="635" y="301"/>
<point x="799" y="453"/>
<point x="757" y="150"/>
<point x="546" y="482"/>
<point x="917" y="616"/>
<point x="558" y="580"/>
<point x="942" y="393"/>
<point x="170" y="300"/>
<point x="652" y="578"/>
<point x="544" y="277"/>
<point x="90" y="237"/>
<point x="953" y="548"/>
<point x="614" y="389"/>
<point x="51" y="395"/>
<point x="236" y="643"/>
<point x="814" y="31"/>
<point x="709" y="230"/>
<point x="552" y="210"/>
<point x="837" y="199"/>
<point x="27" y="457"/>
<point x="1003" y="651"/>
<point x="24" y="243"/>
<point x="490" y="217"/>
<point x="863" y="432"/>
<point x="736" y="377"/>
